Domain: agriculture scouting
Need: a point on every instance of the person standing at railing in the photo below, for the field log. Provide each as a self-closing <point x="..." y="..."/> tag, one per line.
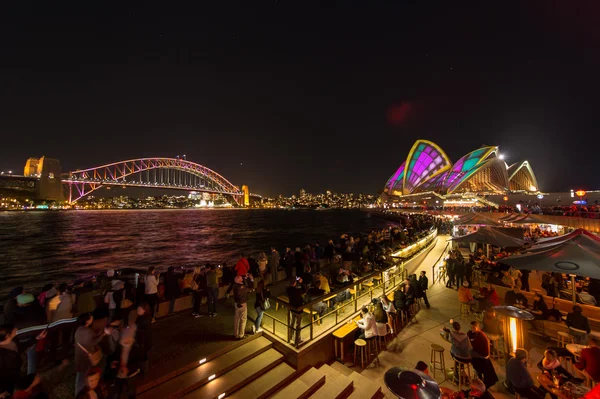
<point x="241" y="288"/>
<point x="424" y="283"/>
<point x="151" y="289"/>
<point x="10" y="357"/>
<point x="295" y="294"/>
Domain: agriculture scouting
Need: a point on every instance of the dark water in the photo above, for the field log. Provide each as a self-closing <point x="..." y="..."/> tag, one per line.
<point x="41" y="247"/>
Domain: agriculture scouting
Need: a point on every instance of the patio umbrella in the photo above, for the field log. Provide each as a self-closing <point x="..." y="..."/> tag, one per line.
<point x="477" y="218"/>
<point x="577" y="255"/>
<point x="527" y="219"/>
<point x="492" y="236"/>
<point x="411" y="384"/>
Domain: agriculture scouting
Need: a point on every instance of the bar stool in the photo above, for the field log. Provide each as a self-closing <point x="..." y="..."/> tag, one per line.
<point x="373" y="341"/>
<point x="403" y="315"/>
<point x="382" y="334"/>
<point x="495" y="340"/>
<point x="437" y="349"/>
<point x="465" y="308"/>
<point x="460" y="367"/>
<point x="360" y="345"/>
<point x="394" y="322"/>
<point x="564" y="339"/>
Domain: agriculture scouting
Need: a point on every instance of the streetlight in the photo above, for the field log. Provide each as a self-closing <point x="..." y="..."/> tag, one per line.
<point x="501" y="156"/>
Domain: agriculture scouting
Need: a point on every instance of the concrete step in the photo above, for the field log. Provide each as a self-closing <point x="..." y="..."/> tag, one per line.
<point x="266" y="384"/>
<point x="363" y="387"/>
<point x="341" y="368"/>
<point x="240" y="376"/>
<point x="181" y="384"/>
<point x="337" y="385"/>
<point x="303" y="386"/>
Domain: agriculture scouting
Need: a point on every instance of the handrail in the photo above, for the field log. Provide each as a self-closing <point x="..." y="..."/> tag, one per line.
<point x="437" y="261"/>
<point x="393" y="280"/>
<point x="370" y="276"/>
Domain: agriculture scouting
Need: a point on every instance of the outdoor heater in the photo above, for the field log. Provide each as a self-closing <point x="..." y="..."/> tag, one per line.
<point x="514" y="332"/>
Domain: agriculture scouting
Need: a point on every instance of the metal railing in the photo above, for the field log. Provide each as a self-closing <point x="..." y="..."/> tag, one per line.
<point x="363" y="290"/>
<point x="439" y="263"/>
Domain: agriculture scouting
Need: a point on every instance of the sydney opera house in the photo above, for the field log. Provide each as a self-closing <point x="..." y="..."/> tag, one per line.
<point x="427" y="169"/>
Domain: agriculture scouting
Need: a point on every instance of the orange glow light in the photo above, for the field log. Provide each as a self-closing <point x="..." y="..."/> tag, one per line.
<point x="513" y="334"/>
<point x="505" y="198"/>
<point x="580" y="193"/>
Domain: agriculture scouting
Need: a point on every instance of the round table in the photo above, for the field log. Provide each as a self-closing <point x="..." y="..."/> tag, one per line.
<point x="576" y="348"/>
<point x="562" y="392"/>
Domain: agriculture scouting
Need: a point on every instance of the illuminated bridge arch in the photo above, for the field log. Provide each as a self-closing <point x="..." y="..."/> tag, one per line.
<point x="172" y="173"/>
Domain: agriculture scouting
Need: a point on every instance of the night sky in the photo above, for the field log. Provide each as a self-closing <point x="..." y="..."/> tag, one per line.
<point x="294" y="94"/>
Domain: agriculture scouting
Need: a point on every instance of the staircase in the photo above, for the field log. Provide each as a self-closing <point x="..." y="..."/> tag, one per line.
<point x="255" y="370"/>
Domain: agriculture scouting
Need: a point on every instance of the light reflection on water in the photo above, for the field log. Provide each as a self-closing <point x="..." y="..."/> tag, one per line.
<point x="41" y="247"/>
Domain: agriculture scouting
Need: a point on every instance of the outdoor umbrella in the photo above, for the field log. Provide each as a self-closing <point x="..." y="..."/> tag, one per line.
<point x="577" y="255"/>
<point x="491" y="236"/>
<point x="411" y="384"/>
<point x="477" y="218"/>
<point x="525" y="219"/>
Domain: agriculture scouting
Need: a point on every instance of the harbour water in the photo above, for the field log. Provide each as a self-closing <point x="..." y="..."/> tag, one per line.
<point x="41" y="247"/>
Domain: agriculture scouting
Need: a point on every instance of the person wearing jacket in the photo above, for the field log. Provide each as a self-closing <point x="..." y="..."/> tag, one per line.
<point x="86" y="342"/>
<point x="151" y="289"/>
<point x="519" y="378"/>
<point x="212" y="289"/>
<point x="367" y="325"/>
<point x="259" y="305"/>
<point x="10" y="357"/>
<point x="241" y="288"/>
<point x="480" y="355"/>
<point x="424" y="284"/>
<point x="589" y="360"/>
<point x="461" y="345"/>
<point x="550" y="364"/>
<point x="576" y="320"/>
<point x="172" y="289"/>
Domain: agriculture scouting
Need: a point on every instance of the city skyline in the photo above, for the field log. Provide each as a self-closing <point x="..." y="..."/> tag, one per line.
<point x="279" y="96"/>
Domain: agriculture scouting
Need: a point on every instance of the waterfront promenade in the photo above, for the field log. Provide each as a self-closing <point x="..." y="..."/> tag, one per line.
<point x="181" y="339"/>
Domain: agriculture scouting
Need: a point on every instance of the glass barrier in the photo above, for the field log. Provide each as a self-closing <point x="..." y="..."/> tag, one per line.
<point x="328" y="311"/>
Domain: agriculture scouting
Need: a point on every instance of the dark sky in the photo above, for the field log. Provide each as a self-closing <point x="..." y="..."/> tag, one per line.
<point x="294" y="94"/>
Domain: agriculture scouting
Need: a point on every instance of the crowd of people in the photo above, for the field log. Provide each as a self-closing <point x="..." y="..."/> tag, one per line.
<point x="113" y="315"/>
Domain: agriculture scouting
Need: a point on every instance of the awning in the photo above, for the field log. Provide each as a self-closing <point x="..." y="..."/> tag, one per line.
<point x="476" y="218"/>
<point x="579" y="254"/>
<point x="493" y="236"/>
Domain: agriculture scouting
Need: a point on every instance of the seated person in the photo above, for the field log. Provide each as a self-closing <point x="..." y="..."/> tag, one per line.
<point x="589" y="360"/>
<point x="465" y="295"/>
<point x="381" y="317"/>
<point x="540" y="309"/>
<point x="550" y="365"/>
<point x="345" y="277"/>
<point x="518" y="376"/>
<point x="492" y="296"/>
<point x="367" y="325"/>
<point x="577" y="320"/>
<point x="515" y="297"/>
<point x="324" y="285"/>
<point x="314" y="293"/>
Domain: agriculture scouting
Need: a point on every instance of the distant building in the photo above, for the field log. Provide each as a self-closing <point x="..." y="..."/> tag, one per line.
<point x="48" y="172"/>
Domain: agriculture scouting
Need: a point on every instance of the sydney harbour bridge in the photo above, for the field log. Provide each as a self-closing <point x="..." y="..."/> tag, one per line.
<point x="44" y="178"/>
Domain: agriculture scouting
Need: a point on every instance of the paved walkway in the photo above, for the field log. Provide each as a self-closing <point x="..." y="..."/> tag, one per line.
<point x="413" y="343"/>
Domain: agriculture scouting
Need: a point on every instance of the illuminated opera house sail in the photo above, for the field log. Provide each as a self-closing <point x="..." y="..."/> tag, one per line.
<point x="427" y="168"/>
